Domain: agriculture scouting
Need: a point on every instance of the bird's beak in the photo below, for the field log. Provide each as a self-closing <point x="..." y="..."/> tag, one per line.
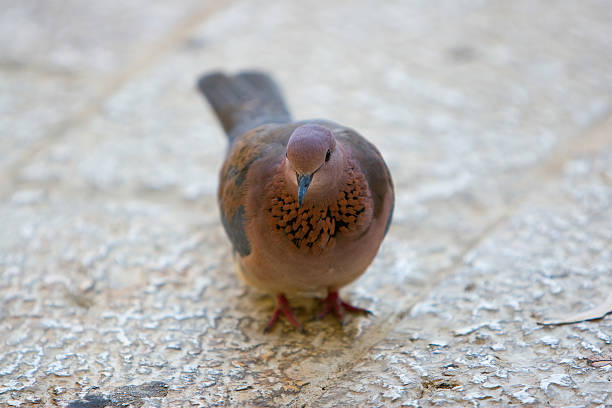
<point x="303" y="181"/>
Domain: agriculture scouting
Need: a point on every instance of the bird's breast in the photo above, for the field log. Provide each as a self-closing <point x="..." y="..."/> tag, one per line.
<point x="316" y="226"/>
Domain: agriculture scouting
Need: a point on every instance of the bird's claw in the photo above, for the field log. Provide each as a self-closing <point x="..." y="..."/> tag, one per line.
<point x="284" y="308"/>
<point x="334" y="304"/>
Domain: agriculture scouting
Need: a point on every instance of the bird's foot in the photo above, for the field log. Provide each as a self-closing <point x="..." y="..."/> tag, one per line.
<point x="334" y="304"/>
<point x="284" y="308"/>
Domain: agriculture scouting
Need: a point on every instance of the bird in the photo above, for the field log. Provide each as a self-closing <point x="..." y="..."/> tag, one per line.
<point x="305" y="204"/>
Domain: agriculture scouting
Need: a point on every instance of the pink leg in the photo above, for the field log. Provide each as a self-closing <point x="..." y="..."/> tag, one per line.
<point x="333" y="303"/>
<point x="284" y="308"/>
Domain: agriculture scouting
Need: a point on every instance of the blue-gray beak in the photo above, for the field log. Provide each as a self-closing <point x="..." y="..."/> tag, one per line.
<point x="303" y="183"/>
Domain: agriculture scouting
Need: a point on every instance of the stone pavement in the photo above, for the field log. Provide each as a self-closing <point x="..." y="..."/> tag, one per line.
<point x="117" y="286"/>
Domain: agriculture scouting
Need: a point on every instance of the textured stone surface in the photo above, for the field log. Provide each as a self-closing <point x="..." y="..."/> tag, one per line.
<point x="59" y="58"/>
<point x="116" y="279"/>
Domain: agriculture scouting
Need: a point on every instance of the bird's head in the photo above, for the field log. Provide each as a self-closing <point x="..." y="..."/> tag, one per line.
<point x="313" y="158"/>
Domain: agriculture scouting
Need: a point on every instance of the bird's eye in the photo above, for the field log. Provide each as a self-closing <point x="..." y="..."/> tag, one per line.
<point x="327" y="155"/>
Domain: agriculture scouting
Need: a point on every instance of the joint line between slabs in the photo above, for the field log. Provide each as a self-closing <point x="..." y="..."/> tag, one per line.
<point x="114" y="82"/>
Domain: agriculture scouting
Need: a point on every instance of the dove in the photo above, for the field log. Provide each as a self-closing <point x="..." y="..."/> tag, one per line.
<point x="305" y="204"/>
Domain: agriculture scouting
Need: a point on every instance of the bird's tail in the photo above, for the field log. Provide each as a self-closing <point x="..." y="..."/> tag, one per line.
<point x="243" y="101"/>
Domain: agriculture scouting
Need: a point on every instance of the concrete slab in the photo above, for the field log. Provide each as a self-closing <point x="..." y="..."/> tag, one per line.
<point x="60" y="58"/>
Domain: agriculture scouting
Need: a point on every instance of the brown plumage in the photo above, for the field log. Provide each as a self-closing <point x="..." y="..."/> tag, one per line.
<point x="305" y="204"/>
